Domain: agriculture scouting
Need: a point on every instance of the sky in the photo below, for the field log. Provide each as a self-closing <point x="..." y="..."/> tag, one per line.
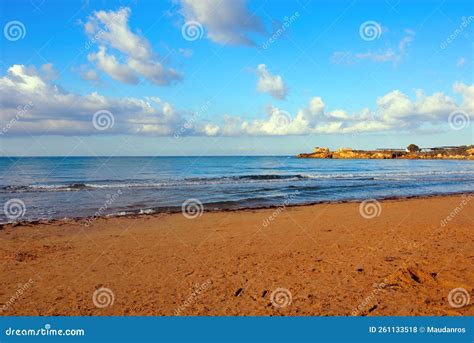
<point x="221" y="77"/>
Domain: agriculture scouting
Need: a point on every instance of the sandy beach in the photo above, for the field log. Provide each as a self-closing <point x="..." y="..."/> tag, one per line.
<point x="327" y="259"/>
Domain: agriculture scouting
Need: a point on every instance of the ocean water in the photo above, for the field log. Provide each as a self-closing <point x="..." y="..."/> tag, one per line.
<point x="69" y="187"/>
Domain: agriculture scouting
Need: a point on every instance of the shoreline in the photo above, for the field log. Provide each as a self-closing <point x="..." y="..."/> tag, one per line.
<point x="324" y="259"/>
<point x="177" y="210"/>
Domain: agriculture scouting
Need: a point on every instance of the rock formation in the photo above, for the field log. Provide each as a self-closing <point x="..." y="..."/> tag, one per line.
<point x="443" y="153"/>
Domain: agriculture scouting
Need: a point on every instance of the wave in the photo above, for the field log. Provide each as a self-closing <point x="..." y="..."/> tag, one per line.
<point x="237" y="179"/>
<point x="256" y="177"/>
<point x="100" y="184"/>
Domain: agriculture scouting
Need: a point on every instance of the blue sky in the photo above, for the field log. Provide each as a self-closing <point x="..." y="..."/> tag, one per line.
<point x="324" y="81"/>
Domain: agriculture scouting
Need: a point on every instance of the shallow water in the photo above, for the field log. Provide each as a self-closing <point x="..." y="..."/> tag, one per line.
<point x="60" y="187"/>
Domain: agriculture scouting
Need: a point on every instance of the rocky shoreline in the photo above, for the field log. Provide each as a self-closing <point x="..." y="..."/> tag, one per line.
<point x="412" y="152"/>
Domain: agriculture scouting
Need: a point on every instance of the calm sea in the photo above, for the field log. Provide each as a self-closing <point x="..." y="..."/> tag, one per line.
<point x="64" y="187"/>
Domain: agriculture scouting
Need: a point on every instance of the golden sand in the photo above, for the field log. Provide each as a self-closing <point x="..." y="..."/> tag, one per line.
<point x="324" y="259"/>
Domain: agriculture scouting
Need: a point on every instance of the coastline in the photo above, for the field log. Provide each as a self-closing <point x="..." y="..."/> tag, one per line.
<point x="177" y="210"/>
<point x="256" y="183"/>
<point x="331" y="259"/>
<point x="412" y="152"/>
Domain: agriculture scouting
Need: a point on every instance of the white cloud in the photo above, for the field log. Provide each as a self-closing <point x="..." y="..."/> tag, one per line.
<point x="89" y="75"/>
<point x="226" y="22"/>
<point x="316" y="106"/>
<point x="52" y="110"/>
<point x="55" y="111"/>
<point x="467" y="92"/>
<point x="395" y="111"/>
<point x="109" y="64"/>
<point x="387" y="55"/>
<point x="271" y="84"/>
<point x="211" y="129"/>
<point x="398" y="110"/>
<point x="406" y="41"/>
<point x="111" y="31"/>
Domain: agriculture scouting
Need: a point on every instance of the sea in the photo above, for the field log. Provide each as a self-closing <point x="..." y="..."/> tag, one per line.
<point x="45" y="188"/>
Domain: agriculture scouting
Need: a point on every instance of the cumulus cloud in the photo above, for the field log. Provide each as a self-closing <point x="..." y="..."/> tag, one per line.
<point x="400" y="111"/>
<point x="111" y="31"/>
<point x="387" y="55"/>
<point x="109" y="64"/>
<point x="226" y="22"/>
<point x="271" y="84"/>
<point x="31" y="104"/>
<point x="88" y="74"/>
<point x="394" y="111"/>
<point x="52" y="110"/>
<point x="467" y="93"/>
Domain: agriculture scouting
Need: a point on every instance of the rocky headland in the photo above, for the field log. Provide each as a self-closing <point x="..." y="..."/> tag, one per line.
<point x="411" y="152"/>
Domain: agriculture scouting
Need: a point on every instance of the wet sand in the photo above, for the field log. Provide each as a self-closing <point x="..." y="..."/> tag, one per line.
<point x="405" y="258"/>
